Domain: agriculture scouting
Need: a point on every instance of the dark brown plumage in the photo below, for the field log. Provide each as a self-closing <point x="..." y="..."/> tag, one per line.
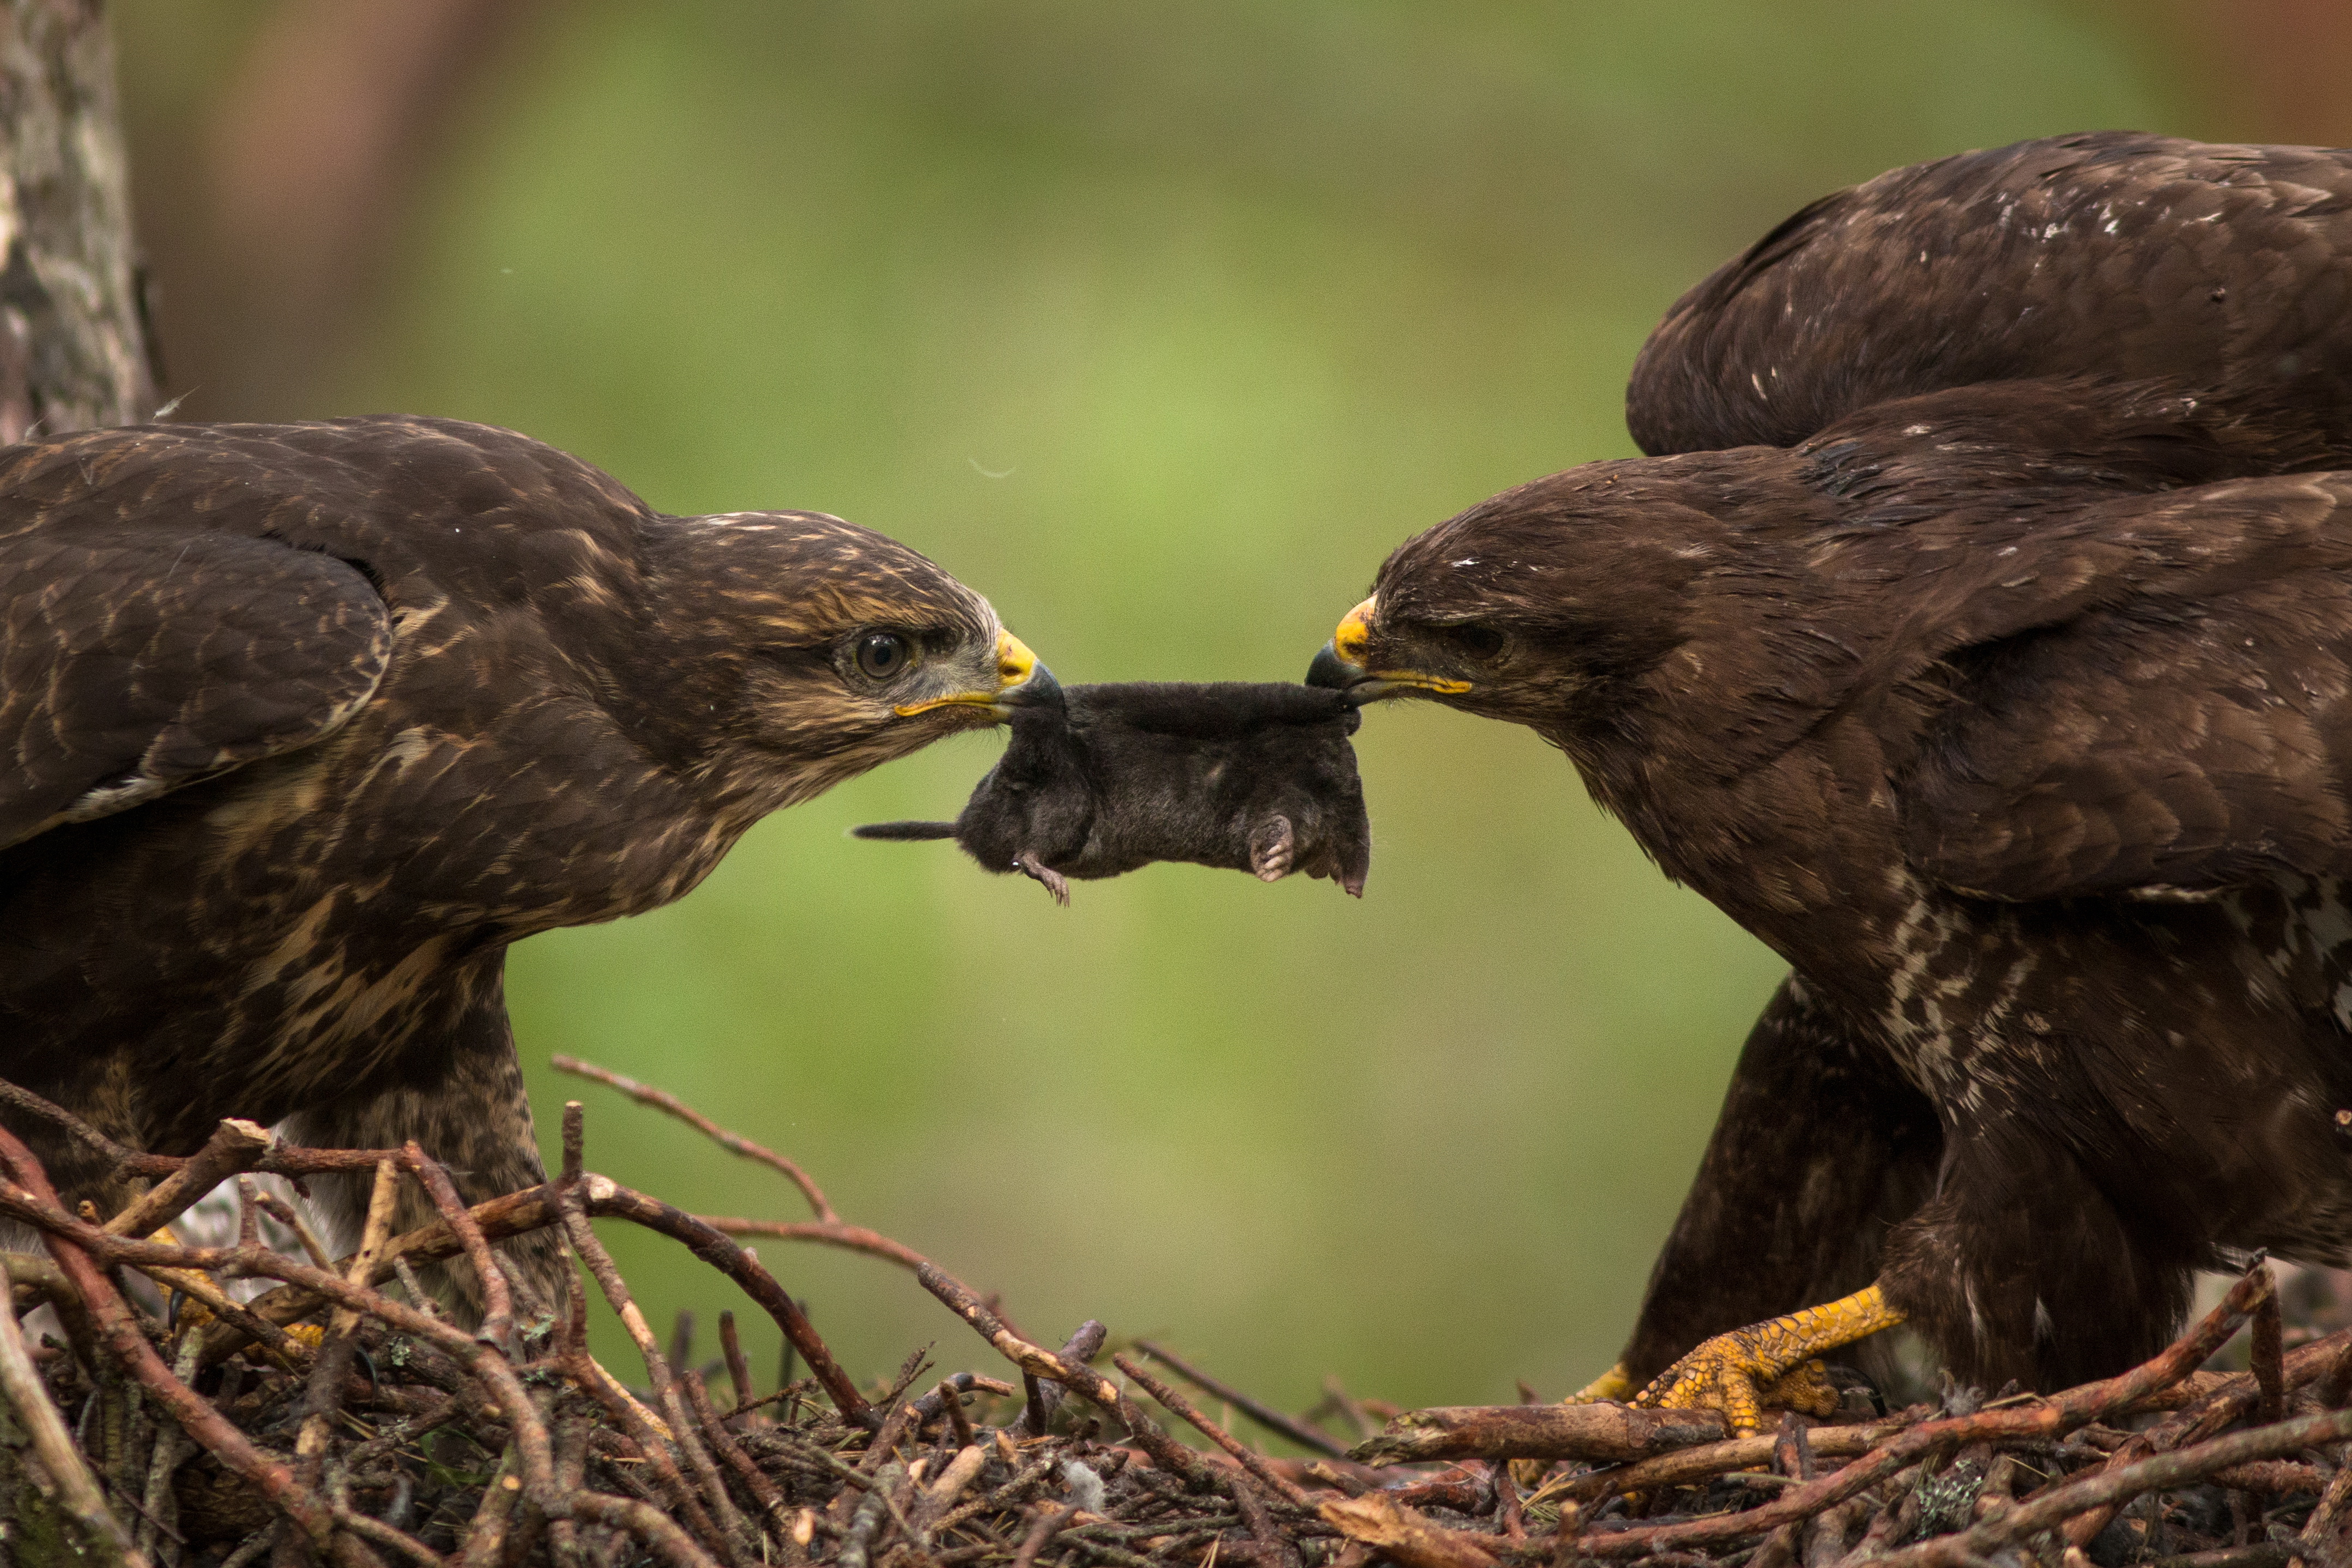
<point x="305" y="724"/>
<point x="1256" y="777"/>
<point x="1980" y="638"/>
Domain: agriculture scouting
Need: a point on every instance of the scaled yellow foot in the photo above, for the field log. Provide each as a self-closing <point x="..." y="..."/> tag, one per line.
<point x="1770" y="1364"/>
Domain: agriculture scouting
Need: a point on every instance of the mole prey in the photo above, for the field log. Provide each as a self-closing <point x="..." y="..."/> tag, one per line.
<point x="1254" y="778"/>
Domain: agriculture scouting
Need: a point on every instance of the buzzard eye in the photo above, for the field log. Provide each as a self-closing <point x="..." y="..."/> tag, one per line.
<point x="1478" y="642"/>
<point x="882" y="655"/>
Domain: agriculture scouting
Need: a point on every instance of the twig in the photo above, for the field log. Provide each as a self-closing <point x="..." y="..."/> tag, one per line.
<point x="324" y="1397"/>
<point x="497" y="1309"/>
<point x="2054" y="1506"/>
<point x="772" y="1500"/>
<point x="1086" y="1342"/>
<point x="1378" y="1520"/>
<point x="286" y="1215"/>
<point x="623" y="1410"/>
<point x="1246" y="1457"/>
<point x="32" y="1104"/>
<point x="1604" y="1431"/>
<point x="1165" y="1451"/>
<point x="832" y="1232"/>
<point x="605" y="1197"/>
<point x="739" y="1370"/>
<point x="75" y="1243"/>
<point x="735" y="1142"/>
<point x="2264" y="1357"/>
<point x="1264" y="1415"/>
<point x="20" y="1385"/>
<point x="234" y="1147"/>
<point x="1050" y="1524"/>
<point x="129" y="1347"/>
<point x="2049" y="1418"/>
<point x="1687" y="1466"/>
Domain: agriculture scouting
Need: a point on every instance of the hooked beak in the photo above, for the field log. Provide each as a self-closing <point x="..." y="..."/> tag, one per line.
<point x="1341" y="664"/>
<point x="1021" y="682"/>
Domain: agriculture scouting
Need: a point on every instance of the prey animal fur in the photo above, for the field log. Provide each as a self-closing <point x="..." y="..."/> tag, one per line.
<point x="1256" y="777"/>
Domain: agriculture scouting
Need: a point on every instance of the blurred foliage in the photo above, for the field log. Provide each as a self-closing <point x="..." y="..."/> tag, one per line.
<point x="1161" y="325"/>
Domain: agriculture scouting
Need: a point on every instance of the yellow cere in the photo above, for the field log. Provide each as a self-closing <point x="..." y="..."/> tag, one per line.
<point x="1355" y="629"/>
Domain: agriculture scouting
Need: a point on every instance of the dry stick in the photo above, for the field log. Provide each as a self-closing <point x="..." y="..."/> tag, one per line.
<point x="645" y="1095"/>
<point x="2267" y="1351"/>
<point x="1049" y="1525"/>
<point x="571" y="1470"/>
<point x="71" y="1238"/>
<point x="2054" y="1507"/>
<point x="1086" y="1342"/>
<point x="286" y="1215"/>
<point x="673" y="1408"/>
<point x="534" y="1207"/>
<point x="383" y="1535"/>
<point x="950" y="1400"/>
<point x="530" y="1209"/>
<point x="832" y="1232"/>
<point x="485" y="1540"/>
<point x="606" y="1198"/>
<point x="644" y="1521"/>
<point x="1408" y="1538"/>
<point x="1686" y="1465"/>
<point x="2223" y="1406"/>
<point x="739" y="1370"/>
<point x="1604" y="1431"/>
<point x="1164" y="1451"/>
<point x="32" y="1104"/>
<point x="1264" y="1415"/>
<point x="2336" y="1378"/>
<point x="235" y="1146"/>
<point x="120" y="1335"/>
<point x="322" y="1400"/>
<point x="632" y="1420"/>
<point x="2325" y="1539"/>
<point x="2051" y="1417"/>
<point x="772" y="1500"/>
<point x="498" y="1308"/>
<point x="76" y="1489"/>
<point x="1894" y="1520"/>
<point x="951" y="1484"/>
<point x="172" y="1447"/>
<point x="289" y="1350"/>
<point x="1248" y="1458"/>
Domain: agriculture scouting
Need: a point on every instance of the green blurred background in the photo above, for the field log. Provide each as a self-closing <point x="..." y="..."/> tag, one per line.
<point x="1161" y="325"/>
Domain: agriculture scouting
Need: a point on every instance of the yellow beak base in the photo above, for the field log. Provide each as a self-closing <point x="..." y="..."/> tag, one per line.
<point x="1016" y="666"/>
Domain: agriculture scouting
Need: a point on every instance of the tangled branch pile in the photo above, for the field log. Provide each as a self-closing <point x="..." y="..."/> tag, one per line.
<point x="331" y="1418"/>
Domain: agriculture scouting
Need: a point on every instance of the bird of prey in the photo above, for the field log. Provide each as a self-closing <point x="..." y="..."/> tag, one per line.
<point x="1978" y="635"/>
<point x="304" y="725"/>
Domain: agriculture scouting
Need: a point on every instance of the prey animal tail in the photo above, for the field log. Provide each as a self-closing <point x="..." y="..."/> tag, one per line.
<point x="904" y="830"/>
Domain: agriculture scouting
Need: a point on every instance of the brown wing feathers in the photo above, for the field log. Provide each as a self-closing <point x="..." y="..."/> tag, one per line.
<point x="133" y="662"/>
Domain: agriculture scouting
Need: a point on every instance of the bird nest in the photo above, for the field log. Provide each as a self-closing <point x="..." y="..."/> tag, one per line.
<point x="341" y="1415"/>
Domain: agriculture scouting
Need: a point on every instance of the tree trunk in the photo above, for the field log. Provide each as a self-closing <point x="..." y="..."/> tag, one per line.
<point x="73" y="337"/>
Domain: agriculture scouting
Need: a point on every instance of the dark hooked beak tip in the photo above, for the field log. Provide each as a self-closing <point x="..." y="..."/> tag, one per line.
<point x="1335" y="673"/>
<point x="1040" y="690"/>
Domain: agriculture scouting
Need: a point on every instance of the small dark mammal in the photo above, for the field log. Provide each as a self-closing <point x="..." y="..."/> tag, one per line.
<point x="1251" y="778"/>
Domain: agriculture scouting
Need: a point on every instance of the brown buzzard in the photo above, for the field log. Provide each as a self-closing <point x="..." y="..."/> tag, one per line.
<point x="304" y="725"/>
<point x="1978" y="635"/>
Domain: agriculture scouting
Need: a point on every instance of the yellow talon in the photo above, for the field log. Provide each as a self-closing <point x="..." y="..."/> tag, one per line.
<point x="1770" y="1364"/>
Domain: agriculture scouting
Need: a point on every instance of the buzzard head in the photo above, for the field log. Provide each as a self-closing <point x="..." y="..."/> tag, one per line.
<point x="1545" y="605"/>
<point x="822" y="649"/>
